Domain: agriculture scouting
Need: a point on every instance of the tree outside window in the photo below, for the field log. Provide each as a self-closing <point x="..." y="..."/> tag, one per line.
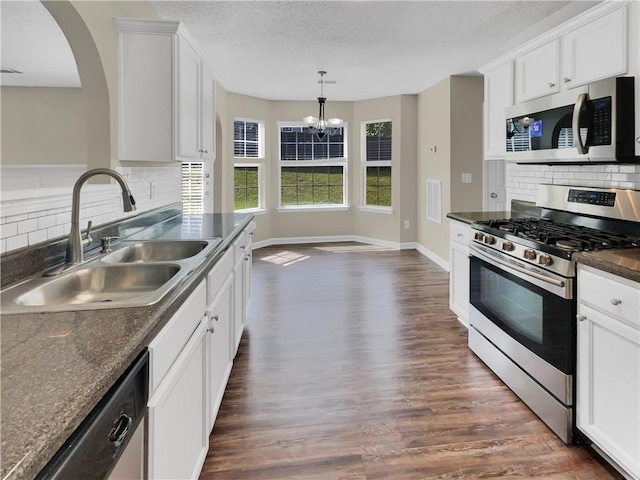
<point x="377" y="163"/>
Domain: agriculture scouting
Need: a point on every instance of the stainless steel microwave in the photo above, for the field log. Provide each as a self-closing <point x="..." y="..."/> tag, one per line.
<point x="592" y="123"/>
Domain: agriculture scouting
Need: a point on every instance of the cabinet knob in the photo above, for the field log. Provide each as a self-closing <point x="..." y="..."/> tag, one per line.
<point x="210" y="330"/>
<point x="581" y="318"/>
<point x="215" y="317"/>
<point x="551" y="84"/>
<point x="615" y="301"/>
<point x="459" y="235"/>
<point x="566" y="80"/>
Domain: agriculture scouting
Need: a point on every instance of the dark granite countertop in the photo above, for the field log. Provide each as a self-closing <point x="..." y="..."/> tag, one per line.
<point x="471" y="217"/>
<point x="57" y="366"/>
<point x="623" y="262"/>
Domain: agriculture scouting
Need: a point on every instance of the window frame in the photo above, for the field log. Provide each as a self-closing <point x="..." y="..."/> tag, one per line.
<point x="261" y="199"/>
<point x="261" y="136"/>
<point x="336" y="162"/>
<point x="366" y="207"/>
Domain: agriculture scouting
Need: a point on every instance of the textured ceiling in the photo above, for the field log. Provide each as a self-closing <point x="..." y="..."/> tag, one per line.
<point x="273" y="49"/>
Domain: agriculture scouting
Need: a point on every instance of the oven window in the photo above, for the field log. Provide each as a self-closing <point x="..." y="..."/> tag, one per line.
<point x="541" y="321"/>
<point x="518" y="307"/>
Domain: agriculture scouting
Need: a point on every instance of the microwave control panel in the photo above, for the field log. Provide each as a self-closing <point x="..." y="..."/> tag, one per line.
<point x="601" y="121"/>
<point x="606" y="199"/>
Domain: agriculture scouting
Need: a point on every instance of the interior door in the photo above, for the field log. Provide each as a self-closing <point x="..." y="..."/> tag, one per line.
<point x="495" y="187"/>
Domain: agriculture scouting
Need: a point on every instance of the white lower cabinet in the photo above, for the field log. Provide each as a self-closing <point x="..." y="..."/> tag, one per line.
<point x="608" y="366"/>
<point x="178" y="433"/>
<point x="220" y="318"/>
<point x="190" y="363"/>
<point x="459" y="237"/>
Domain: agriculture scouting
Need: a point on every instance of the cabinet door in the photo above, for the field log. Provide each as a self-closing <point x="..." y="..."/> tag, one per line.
<point x="178" y="434"/>
<point x="608" y="386"/>
<point x="239" y="311"/>
<point x="248" y="265"/>
<point x="219" y="346"/>
<point x="207" y="117"/>
<point x="187" y="102"/>
<point x="459" y="275"/>
<point x="537" y="72"/>
<point x="498" y="95"/>
<point x="595" y="51"/>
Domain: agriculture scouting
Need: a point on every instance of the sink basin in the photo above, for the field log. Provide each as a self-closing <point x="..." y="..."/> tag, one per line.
<point x="107" y="285"/>
<point x="156" y="251"/>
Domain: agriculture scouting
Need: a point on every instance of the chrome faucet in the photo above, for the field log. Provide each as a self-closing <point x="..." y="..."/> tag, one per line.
<point x="75" y="254"/>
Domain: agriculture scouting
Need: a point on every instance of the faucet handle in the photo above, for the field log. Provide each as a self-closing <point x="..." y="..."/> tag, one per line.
<point x="106" y="244"/>
<point x="87" y="240"/>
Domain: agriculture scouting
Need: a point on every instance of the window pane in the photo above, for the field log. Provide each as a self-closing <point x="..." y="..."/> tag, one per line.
<point x="312" y="186"/>
<point x="192" y="187"/>
<point x="246" y="187"/>
<point x="309" y="146"/>
<point x="246" y="137"/>
<point x="378" y="186"/>
<point x="378" y="142"/>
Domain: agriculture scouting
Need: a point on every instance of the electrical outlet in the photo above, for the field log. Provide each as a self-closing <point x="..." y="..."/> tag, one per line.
<point x="406" y="224"/>
<point x="152" y="190"/>
<point x="466" y="178"/>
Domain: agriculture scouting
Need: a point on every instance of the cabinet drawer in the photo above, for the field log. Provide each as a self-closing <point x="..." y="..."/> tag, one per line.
<point x="219" y="274"/>
<point x="165" y="348"/>
<point x="460" y="232"/>
<point x="610" y="294"/>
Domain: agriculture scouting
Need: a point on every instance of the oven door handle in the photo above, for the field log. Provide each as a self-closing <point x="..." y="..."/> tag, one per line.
<point x="506" y="266"/>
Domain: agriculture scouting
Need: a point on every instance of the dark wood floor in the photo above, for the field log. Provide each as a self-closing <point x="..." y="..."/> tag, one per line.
<point x="353" y="367"/>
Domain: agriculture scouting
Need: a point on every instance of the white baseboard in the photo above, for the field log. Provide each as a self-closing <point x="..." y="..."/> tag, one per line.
<point x="355" y="238"/>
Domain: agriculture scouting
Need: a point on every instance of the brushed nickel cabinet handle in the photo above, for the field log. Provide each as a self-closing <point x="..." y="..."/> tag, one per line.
<point x="615" y="301"/>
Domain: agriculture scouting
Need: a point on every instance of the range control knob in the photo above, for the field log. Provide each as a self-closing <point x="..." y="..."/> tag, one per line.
<point x="489" y="240"/>
<point x="545" y="259"/>
<point x="479" y="236"/>
<point x="508" y="247"/>
<point x="529" y="254"/>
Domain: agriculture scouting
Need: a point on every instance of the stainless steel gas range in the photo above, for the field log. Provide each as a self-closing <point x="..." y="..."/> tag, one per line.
<point x="523" y="287"/>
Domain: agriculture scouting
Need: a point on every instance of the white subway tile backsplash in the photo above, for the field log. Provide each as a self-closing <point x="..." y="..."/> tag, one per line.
<point x="46" y="222"/>
<point x="18" y="231"/>
<point x="56" y="231"/>
<point x="18" y="241"/>
<point x="37" y="237"/>
<point x="522" y="180"/>
<point x="9" y="230"/>
<point x="27" y="226"/>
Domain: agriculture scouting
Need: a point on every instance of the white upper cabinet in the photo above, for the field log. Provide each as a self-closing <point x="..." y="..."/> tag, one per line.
<point x="498" y="95"/>
<point x="167" y="107"/>
<point x="596" y="50"/>
<point x="595" y="45"/>
<point x="537" y="72"/>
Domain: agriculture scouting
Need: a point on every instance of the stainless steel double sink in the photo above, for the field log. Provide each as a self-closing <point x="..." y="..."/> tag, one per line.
<point x="134" y="274"/>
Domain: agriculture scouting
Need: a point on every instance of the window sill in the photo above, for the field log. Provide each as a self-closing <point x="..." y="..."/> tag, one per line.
<point x="255" y="211"/>
<point x="328" y="208"/>
<point x="374" y="209"/>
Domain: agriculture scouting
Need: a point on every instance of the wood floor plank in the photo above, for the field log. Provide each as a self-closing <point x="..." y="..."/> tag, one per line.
<point x="353" y="367"/>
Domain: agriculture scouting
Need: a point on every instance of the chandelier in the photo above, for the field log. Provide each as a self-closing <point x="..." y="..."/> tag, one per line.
<point x="319" y="125"/>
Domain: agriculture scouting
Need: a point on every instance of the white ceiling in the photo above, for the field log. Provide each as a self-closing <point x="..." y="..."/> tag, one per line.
<point x="273" y="49"/>
<point x="33" y="43"/>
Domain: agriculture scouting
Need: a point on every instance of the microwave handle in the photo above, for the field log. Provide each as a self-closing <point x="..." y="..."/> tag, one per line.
<point x="575" y="126"/>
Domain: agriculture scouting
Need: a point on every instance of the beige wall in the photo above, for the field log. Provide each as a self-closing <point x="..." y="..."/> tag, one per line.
<point x="88" y="26"/>
<point x="43" y="126"/>
<point x="446" y="149"/>
<point x="273" y="224"/>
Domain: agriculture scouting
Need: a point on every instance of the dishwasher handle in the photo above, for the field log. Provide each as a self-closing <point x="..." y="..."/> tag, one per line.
<point x="120" y="429"/>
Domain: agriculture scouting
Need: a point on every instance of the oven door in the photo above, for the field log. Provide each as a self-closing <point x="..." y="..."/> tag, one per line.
<point x="532" y="307"/>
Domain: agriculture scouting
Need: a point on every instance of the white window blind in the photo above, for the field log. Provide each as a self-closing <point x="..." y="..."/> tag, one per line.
<point x="192" y="187"/>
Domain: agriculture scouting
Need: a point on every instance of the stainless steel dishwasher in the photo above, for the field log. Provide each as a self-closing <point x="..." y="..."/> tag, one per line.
<point x="110" y="442"/>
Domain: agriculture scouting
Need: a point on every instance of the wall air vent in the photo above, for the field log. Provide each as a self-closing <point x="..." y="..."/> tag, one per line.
<point x="10" y="70"/>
